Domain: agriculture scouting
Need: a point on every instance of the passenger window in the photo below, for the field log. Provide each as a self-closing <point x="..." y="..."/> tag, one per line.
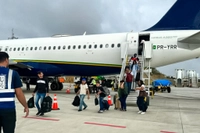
<point x="107" y="45"/>
<point x="6" y="49"/>
<point x="45" y="47"/>
<point x="13" y="49"/>
<point x="69" y="47"/>
<point x="74" y="47"/>
<point x="118" y="45"/>
<point x="90" y="46"/>
<point x="26" y="48"/>
<point x="84" y="46"/>
<point x="31" y="48"/>
<point x="23" y="49"/>
<point x="10" y="49"/>
<point x="58" y="47"/>
<point x="40" y="48"/>
<point x="79" y="47"/>
<point x="49" y="47"/>
<point x="64" y="47"/>
<point x="113" y="45"/>
<point x="0" y="48"/>
<point x="18" y="49"/>
<point x="95" y="46"/>
<point x="101" y="46"/>
<point x="54" y="47"/>
<point x="35" y="48"/>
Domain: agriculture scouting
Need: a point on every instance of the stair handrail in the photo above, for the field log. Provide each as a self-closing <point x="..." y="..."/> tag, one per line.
<point x="125" y="56"/>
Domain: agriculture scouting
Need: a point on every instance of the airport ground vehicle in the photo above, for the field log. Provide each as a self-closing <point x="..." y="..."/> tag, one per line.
<point x="162" y="85"/>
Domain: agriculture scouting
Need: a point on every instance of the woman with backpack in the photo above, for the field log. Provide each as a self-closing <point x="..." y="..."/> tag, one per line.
<point x="123" y="93"/>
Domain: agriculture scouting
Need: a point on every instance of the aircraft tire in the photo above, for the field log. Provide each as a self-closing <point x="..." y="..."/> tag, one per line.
<point x="168" y="89"/>
<point x="54" y="86"/>
<point x="60" y="86"/>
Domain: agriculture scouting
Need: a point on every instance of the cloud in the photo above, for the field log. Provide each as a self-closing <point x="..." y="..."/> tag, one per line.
<point x="41" y="18"/>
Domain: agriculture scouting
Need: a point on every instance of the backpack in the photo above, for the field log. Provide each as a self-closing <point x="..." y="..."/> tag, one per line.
<point x="76" y="101"/>
<point x="31" y="103"/>
<point x="46" y="105"/>
<point x="106" y="91"/>
<point x="129" y="77"/>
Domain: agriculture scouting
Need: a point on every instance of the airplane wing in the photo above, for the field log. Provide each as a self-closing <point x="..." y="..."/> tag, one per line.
<point x="17" y="65"/>
<point x="190" y="43"/>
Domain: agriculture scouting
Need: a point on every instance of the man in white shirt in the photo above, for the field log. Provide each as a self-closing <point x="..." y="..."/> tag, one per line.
<point x="83" y="91"/>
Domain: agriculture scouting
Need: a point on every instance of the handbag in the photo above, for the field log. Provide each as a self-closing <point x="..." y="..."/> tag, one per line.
<point x="142" y="94"/>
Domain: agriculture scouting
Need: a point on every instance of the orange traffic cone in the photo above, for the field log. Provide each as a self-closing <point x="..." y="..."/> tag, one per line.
<point x="68" y="91"/>
<point x="55" y="103"/>
<point x="109" y="100"/>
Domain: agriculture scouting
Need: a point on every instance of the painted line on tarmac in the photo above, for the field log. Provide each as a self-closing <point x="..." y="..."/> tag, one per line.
<point x="42" y="118"/>
<point x="108" y="125"/>
<point x="166" y="132"/>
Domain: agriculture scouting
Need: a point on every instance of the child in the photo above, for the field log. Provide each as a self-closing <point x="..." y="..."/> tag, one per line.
<point x="123" y="93"/>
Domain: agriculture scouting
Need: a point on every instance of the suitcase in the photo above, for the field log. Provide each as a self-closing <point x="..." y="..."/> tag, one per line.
<point x="117" y="102"/>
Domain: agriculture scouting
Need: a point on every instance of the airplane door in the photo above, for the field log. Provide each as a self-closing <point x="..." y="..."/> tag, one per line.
<point x="132" y="39"/>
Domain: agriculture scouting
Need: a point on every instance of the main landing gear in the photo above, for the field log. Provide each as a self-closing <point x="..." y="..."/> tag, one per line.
<point x="56" y="85"/>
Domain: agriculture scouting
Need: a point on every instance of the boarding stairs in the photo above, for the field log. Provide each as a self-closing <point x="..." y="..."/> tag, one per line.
<point x="144" y="67"/>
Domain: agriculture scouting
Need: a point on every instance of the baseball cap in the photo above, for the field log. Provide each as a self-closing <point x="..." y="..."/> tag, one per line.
<point x="83" y="79"/>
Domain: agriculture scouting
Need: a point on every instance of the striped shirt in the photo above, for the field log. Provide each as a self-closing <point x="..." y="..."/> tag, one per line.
<point x="9" y="81"/>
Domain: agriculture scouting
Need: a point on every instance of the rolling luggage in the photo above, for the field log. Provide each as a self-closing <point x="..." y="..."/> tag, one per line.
<point x="117" y="102"/>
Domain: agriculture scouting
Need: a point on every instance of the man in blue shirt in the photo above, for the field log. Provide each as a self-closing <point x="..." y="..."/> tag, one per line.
<point x="10" y="85"/>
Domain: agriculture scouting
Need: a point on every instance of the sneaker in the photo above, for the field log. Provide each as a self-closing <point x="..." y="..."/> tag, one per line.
<point x="100" y="111"/>
<point x="41" y="114"/>
<point x="139" y="112"/>
<point x="142" y="113"/>
<point x="79" y="110"/>
<point x="84" y="107"/>
<point x="38" y="113"/>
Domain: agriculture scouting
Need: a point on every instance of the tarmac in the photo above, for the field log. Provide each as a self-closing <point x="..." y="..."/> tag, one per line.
<point x="175" y="112"/>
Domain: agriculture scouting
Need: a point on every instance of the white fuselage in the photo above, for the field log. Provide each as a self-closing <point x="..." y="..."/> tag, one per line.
<point x="107" y="55"/>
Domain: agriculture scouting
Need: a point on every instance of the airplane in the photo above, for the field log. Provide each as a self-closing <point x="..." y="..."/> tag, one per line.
<point x="174" y="38"/>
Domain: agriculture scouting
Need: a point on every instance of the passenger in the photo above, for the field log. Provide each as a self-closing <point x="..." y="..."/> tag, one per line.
<point x="128" y="78"/>
<point x="135" y="68"/>
<point x="123" y="93"/>
<point x="102" y="95"/>
<point x="94" y="89"/>
<point x="134" y="59"/>
<point x="10" y="85"/>
<point x="83" y="91"/>
<point x="141" y="46"/>
<point x="141" y="97"/>
<point x="42" y="89"/>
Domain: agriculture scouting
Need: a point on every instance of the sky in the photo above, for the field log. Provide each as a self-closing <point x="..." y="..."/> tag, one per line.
<point x="44" y="18"/>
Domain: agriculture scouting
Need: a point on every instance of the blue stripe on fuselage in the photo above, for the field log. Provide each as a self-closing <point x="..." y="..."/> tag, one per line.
<point x="67" y="69"/>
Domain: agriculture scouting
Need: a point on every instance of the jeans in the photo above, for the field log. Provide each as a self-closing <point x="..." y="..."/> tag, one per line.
<point x="82" y="103"/>
<point x="101" y="104"/>
<point x="129" y="86"/>
<point x="39" y="96"/>
<point x="123" y="101"/>
<point x="7" y="121"/>
<point x="142" y="105"/>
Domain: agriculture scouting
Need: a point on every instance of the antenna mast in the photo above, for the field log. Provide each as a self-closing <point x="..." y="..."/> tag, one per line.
<point x="13" y="36"/>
